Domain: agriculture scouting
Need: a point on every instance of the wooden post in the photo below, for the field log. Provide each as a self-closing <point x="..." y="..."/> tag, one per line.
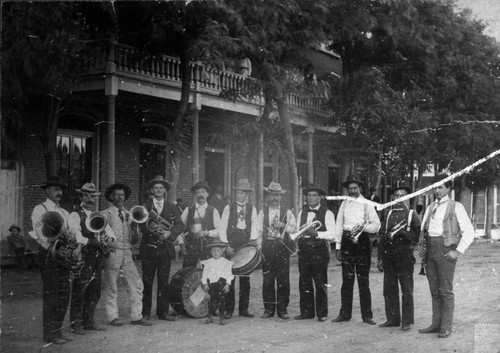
<point x="310" y="155"/>
<point x="195" y="171"/>
<point x="259" y="193"/>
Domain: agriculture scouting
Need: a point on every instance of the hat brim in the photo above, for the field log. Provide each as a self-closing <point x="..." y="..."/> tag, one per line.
<point x="407" y="188"/>
<point x="16" y="227"/>
<point x="207" y="188"/>
<point x="151" y="183"/>
<point x="345" y="184"/>
<point x="61" y="185"/>
<point x="243" y="189"/>
<point x="117" y="186"/>
<point x="217" y="245"/>
<point x="318" y="190"/>
<point x="274" y="191"/>
<point x="80" y="191"/>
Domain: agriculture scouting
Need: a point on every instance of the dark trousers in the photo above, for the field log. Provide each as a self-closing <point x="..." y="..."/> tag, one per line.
<point x="244" y="295"/>
<point x="217" y="298"/>
<point x="356" y="261"/>
<point x="56" y="292"/>
<point x="155" y="263"/>
<point x="440" y="273"/>
<point x="21" y="259"/>
<point x="86" y="290"/>
<point x="275" y="269"/>
<point x="313" y="268"/>
<point x="398" y="268"/>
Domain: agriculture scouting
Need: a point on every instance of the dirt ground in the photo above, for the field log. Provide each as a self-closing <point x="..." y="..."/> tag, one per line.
<point x="476" y="325"/>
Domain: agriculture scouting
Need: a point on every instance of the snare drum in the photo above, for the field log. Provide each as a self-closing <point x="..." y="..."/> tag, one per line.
<point x="246" y="260"/>
<point x="187" y="295"/>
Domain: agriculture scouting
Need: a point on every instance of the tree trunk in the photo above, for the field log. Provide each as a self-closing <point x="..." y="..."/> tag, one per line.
<point x="50" y="113"/>
<point x="489" y="211"/>
<point x="292" y="165"/>
<point x="175" y="145"/>
<point x="379" y="173"/>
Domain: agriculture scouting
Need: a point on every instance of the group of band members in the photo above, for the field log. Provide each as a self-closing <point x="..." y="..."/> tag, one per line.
<point x="447" y="232"/>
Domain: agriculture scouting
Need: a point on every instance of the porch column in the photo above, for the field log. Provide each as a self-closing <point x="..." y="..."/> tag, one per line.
<point x="310" y="166"/>
<point x="195" y="171"/>
<point x="259" y="193"/>
<point x="111" y="91"/>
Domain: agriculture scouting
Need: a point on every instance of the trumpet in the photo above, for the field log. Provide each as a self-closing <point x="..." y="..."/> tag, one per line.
<point x="96" y="222"/>
<point x="357" y="231"/>
<point x="63" y="244"/>
<point x="314" y="224"/>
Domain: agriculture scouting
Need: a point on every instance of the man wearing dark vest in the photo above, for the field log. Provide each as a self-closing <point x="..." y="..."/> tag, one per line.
<point x="356" y="220"/>
<point x="55" y="276"/>
<point x="86" y="289"/>
<point x="238" y="227"/>
<point x="448" y="232"/>
<point x="314" y="255"/>
<point x="202" y="223"/>
<point x="157" y="251"/>
<point x="276" y="223"/>
<point x="398" y="235"/>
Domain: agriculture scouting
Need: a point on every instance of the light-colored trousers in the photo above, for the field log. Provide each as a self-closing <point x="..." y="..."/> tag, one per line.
<point x="121" y="263"/>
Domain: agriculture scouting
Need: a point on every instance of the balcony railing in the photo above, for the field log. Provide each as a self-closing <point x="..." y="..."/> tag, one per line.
<point x="211" y="80"/>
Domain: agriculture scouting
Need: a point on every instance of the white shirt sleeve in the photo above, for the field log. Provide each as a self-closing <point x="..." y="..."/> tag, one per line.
<point x="223" y="224"/>
<point x="374" y="222"/>
<point x="339" y="226"/>
<point x="214" y="233"/>
<point x="466" y="228"/>
<point x="254" y="233"/>
<point x="329" y="234"/>
<point x="36" y="233"/>
<point x="76" y="229"/>
<point x="184" y="215"/>
<point x="292" y="223"/>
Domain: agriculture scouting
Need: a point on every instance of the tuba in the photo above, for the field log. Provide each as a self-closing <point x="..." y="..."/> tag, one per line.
<point x="314" y="224"/>
<point x="96" y="223"/>
<point x="62" y="243"/>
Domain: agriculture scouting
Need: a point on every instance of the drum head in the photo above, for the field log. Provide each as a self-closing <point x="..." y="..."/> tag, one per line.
<point x="187" y="295"/>
<point x="243" y="256"/>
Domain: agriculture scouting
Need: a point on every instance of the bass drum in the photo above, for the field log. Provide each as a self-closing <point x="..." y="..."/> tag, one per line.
<point x="186" y="295"/>
<point x="246" y="260"/>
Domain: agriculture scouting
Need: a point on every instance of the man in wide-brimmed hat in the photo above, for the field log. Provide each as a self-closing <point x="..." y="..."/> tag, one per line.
<point x="276" y="223"/>
<point x="202" y="223"/>
<point x="157" y="251"/>
<point x="398" y="235"/>
<point x="356" y="221"/>
<point x="55" y="276"/>
<point x="216" y="276"/>
<point x="314" y="254"/>
<point x="448" y="232"/>
<point x="238" y="227"/>
<point x="121" y="261"/>
<point x="86" y="289"/>
<point x="17" y="245"/>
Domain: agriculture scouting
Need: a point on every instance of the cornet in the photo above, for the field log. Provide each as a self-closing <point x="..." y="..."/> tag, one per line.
<point x="396" y="228"/>
<point x="357" y="231"/>
<point x="154" y="222"/>
<point x="314" y="224"/>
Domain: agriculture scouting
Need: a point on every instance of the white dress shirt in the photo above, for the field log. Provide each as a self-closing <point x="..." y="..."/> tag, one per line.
<point x="213" y="269"/>
<point x="241" y="224"/>
<point x="436" y="222"/>
<point x="199" y="212"/>
<point x="39" y="210"/>
<point x="329" y="222"/>
<point x="75" y="219"/>
<point x="351" y="214"/>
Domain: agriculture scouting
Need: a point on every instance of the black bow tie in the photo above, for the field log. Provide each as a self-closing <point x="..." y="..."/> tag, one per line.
<point x="313" y="211"/>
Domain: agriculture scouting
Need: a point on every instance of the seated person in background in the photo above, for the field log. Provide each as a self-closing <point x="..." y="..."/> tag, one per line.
<point x="17" y="245"/>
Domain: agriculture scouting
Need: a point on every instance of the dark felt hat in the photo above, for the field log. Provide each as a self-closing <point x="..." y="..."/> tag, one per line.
<point x="314" y="187"/>
<point x="352" y="179"/>
<point x="117" y="186"/>
<point x="158" y="180"/>
<point x="441" y="177"/>
<point x="216" y="244"/>
<point x="14" y="226"/>
<point x="201" y="185"/>
<point x="243" y="185"/>
<point x="54" y="181"/>
<point x="401" y="185"/>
